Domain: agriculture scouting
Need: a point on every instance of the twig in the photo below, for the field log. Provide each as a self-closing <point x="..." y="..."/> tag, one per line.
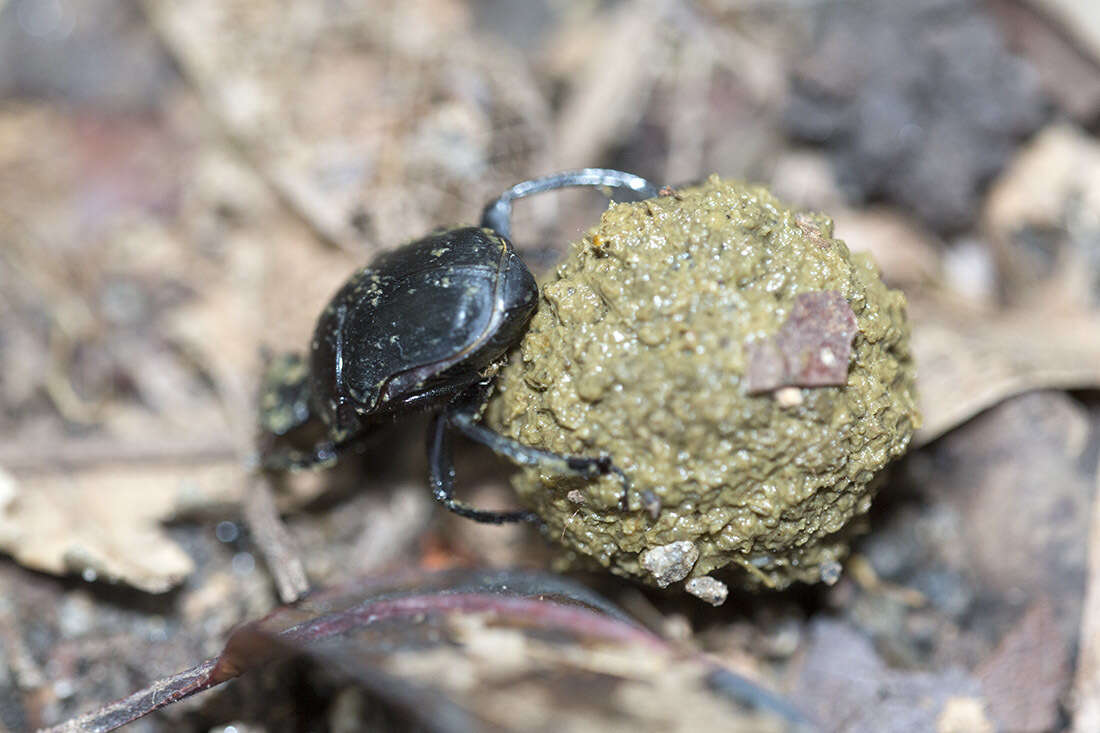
<point x="274" y="541"/>
<point x="159" y="694"/>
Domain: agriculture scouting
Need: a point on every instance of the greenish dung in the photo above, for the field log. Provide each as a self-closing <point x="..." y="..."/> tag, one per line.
<point x="638" y="350"/>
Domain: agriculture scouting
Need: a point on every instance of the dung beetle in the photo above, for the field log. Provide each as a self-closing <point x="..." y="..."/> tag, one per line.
<point x="424" y="327"/>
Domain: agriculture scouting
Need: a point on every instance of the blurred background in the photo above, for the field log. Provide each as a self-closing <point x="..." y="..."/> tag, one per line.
<point x="184" y="184"/>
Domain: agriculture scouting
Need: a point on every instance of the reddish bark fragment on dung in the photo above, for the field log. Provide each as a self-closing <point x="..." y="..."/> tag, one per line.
<point x="811" y="349"/>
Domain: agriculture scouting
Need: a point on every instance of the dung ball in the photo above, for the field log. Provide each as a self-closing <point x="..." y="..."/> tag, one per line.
<point x="749" y="374"/>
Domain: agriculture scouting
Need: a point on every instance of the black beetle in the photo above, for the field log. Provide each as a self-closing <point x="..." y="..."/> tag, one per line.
<point x="423" y="327"/>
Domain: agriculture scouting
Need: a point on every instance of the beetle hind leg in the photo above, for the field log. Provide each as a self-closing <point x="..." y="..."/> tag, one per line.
<point x="524" y="455"/>
<point x="464" y="418"/>
<point x="442" y="476"/>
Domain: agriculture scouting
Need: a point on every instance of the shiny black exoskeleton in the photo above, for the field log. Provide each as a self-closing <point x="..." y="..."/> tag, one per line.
<point x="418" y="325"/>
<point x="422" y="327"/>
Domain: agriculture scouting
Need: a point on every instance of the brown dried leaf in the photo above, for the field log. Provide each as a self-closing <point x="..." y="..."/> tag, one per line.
<point x="1041" y="215"/>
<point x="811" y="348"/>
<point x="968" y="361"/>
<point x="105" y="522"/>
<point x="906" y="254"/>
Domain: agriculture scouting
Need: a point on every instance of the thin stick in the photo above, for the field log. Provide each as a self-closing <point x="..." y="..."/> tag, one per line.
<point x="274" y="540"/>
<point x="157" y="695"/>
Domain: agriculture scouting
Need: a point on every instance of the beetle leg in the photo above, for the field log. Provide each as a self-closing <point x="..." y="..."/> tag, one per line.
<point x="441" y="470"/>
<point x="497" y="215"/>
<point x="464" y="418"/>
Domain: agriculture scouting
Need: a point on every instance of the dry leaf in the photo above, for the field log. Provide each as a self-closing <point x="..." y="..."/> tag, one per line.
<point x="1059" y="165"/>
<point x="968" y="361"/>
<point x="105" y="523"/>
<point x="905" y="253"/>
<point x="1042" y="215"/>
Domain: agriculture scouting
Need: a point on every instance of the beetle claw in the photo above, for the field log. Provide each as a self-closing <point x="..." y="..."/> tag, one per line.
<point x="624" y="500"/>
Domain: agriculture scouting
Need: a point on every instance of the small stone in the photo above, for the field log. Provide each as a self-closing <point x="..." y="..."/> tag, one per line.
<point x="708" y="589"/>
<point x="830" y="572"/>
<point x="670" y="563"/>
<point x="788" y="396"/>
<point x="576" y="496"/>
<point x="676" y="627"/>
<point x="964" y="714"/>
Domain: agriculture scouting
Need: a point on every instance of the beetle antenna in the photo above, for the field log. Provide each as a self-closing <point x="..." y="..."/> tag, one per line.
<point x="498" y="214"/>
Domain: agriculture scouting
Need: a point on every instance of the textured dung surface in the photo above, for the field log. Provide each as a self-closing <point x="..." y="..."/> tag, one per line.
<point x="639" y="350"/>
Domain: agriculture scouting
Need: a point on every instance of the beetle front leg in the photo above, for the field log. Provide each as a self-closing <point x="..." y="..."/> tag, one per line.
<point x="441" y="472"/>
